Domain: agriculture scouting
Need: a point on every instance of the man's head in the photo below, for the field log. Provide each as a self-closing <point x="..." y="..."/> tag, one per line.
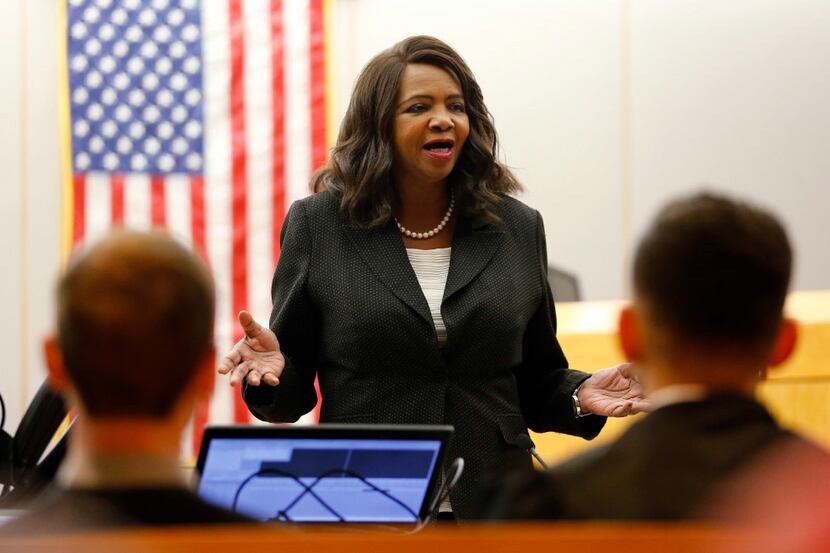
<point x="710" y="280"/>
<point x="134" y="327"/>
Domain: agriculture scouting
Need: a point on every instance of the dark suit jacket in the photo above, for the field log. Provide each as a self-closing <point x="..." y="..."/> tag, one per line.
<point x="78" y="510"/>
<point x="348" y="308"/>
<point x="663" y="467"/>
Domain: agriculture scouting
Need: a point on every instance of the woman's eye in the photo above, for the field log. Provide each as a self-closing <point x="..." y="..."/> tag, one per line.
<point x="457" y="107"/>
<point x="416" y="108"/>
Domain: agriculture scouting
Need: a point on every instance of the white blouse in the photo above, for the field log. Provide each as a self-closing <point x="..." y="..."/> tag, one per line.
<point x="431" y="267"/>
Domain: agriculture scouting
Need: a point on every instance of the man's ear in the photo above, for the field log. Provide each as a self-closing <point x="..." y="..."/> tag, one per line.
<point x="205" y="373"/>
<point x="58" y="380"/>
<point x="785" y="342"/>
<point x="629" y="331"/>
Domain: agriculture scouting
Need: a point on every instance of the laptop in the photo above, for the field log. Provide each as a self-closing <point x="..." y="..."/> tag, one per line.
<point x="328" y="473"/>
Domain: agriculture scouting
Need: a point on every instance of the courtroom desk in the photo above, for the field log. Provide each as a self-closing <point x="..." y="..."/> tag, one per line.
<point x="521" y="538"/>
<point x="797" y="393"/>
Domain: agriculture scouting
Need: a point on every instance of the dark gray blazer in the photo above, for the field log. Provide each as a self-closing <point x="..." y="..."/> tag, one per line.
<point x="348" y="308"/>
<point x="664" y="467"/>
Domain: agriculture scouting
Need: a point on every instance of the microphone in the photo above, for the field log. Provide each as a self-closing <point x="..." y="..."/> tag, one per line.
<point x="524" y="441"/>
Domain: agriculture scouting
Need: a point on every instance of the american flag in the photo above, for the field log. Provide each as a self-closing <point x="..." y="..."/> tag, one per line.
<point x="206" y="118"/>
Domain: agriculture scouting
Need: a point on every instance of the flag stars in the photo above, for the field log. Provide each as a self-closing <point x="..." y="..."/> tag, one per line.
<point x="147" y="17"/>
<point x="96" y="144"/>
<point x="166" y="162"/>
<point x="175" y="17"/>
<point x="179" y="146"/>
<point x="109" y="128"/>
<point x="124" y="145"/>
<point x="160" y="5"/>
<point x="107" y="64"/>
<point x="79" y="63"/>
<point x="80" y="96"/>
<point x="149" y="49"/>
<point x="119" y="16"/>
<point x="136" y="97"/>
<point x="194" y="161"/>
<point x="92" y="14"/>
<point x="81" y="128"/>
<point x="121" y="49"/>
<point x="165" y="98"/>
<point x="137" y="130"/>
<point x="82" y="160"/>
<point x="106" y="32"/>
<point x="192" y="97"/>
<point x="121" y="81"/>
<point x="162" y="34"/>
<point x="193" y="130"/>
<point x="178" y="50"/>
<point x="163" y="66"/>
<point x="108" y="96"/>
<point x="150" y="82"/>
<point x="123" y="113"/>
<point x="95" y="112"/>
<point x="178" y="82"/>
<point x="151" y="114"/>
<point x="110" y="161"/>
<point x="152" y="146"/>
<point x="190" y="33"/>
<point x="178" y="114"/>
<point x="165" y="130"/>
<point x="78" y="30"/>
<point x="135" y="65"/>
<point x="191" y="65"/>
<point x="104" y="4"/>
<point x="138" y="162"/>
<point x="93" y="79"/>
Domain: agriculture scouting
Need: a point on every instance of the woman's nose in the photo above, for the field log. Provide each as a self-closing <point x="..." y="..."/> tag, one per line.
<point x="441" y="121"/>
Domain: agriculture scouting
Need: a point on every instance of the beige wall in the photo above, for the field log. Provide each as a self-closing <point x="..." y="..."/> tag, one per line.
<point x="604" y="108"/>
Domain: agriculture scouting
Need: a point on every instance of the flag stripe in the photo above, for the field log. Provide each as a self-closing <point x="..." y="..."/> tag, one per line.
<point x="239" y="287"/>
<point x="217" y="186"/>
<point x="259" y="137"/>
<point x="297" y="113"/>
<point x="158" y="217"/>
<point x="197" y="235"/>
<point x="117" y="199"/>
<point x="79" y="194"/>
<point x="317" y="86"/>
<point x="278" y="126"/>
<point x="97" y="206"/>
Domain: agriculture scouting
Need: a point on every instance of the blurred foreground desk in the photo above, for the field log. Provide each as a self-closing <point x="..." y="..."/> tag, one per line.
<point x="798" y="392"/>
<point x="469" y="539"/>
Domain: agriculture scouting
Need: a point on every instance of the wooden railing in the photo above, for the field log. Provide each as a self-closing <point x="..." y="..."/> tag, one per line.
<point x="797" y="393"/>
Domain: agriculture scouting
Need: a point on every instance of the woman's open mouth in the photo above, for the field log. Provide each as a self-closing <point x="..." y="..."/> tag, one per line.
<point x="440" y="148"/>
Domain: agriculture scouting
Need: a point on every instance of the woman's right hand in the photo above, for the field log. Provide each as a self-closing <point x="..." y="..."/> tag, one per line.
<point x="256" y="357"/>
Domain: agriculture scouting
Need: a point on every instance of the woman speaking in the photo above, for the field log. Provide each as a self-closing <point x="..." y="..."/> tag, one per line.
<point x="415" y="288"/>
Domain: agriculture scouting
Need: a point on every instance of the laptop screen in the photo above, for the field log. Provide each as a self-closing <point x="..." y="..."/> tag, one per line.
<point x="324" y="473"/>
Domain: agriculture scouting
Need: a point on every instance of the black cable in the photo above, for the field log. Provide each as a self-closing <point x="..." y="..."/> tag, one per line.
<point x="284" y="512"/>
<point x="3" y="416"/>
<point x="309" y="489"/>
<point x="345" y="472"/>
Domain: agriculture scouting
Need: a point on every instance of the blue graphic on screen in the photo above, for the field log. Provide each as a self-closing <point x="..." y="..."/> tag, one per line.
<point x="316" y="480"/>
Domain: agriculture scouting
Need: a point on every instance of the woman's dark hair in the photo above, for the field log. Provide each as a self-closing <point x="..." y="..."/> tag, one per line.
<point x="359" y="170"/>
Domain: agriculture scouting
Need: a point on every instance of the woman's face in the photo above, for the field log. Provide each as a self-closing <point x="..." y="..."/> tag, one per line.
<point x="431" y="124"/>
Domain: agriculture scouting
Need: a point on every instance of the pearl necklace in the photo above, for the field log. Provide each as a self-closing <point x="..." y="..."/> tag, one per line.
<point x="433" y="232"/>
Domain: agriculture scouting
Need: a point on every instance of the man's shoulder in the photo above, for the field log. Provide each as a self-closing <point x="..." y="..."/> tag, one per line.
<point x="90" y="509"/>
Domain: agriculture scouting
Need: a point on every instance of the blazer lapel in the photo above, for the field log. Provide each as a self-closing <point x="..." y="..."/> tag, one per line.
<point x="474" y="244"/>
<point x="383" y="250"/>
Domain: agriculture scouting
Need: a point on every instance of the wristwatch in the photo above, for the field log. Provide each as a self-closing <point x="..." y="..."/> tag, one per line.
<point x="578" y="412"/>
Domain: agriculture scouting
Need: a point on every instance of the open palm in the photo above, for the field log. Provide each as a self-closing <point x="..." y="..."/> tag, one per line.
<point x="612" y="392"/>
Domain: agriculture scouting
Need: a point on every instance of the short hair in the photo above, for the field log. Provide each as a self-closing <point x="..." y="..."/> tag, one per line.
<point x="715" y="271"/>
<point x="359" y="169"/>
<point x="134" y="319"/>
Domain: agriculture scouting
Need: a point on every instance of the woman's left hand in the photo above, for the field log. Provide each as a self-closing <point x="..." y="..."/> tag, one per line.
<point x="612" y="392"/>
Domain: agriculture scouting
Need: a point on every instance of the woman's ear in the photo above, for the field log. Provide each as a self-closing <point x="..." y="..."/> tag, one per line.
<point x="58" y="380"/>
<point x="629" y="332"/>
<point x="785" y="342"/>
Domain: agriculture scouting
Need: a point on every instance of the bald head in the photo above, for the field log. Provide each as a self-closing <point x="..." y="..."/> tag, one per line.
<point x="135" y="318"/>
